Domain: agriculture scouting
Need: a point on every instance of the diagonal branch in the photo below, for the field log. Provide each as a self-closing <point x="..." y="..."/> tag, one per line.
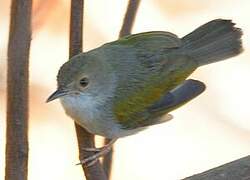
<point x="17" y="90"/>
<point x="238" y="169"/>
<point x="129" y="17"/>
<point x="85" y="139"/>
<point x="126" y="28"/>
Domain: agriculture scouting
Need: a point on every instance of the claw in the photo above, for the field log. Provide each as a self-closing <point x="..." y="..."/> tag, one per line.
<point x="91" y="163"/>
<point x="99" y="152"/>
<point x="92" y="149"/>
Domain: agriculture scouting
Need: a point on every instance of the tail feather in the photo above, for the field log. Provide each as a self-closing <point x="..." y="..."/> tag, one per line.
<point x="215" y="41"/>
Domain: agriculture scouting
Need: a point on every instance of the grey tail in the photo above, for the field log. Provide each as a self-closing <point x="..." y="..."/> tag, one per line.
<point x="214" y="41"/>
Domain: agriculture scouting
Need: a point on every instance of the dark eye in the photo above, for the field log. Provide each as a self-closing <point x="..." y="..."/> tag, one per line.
<point x="84" y="82"/>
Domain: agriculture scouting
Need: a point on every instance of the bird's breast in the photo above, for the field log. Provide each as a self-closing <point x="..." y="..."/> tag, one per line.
<point x="93" y="116"/>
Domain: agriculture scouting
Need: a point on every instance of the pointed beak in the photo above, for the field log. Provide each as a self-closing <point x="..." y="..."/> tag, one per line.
<point x="57" y="94"/>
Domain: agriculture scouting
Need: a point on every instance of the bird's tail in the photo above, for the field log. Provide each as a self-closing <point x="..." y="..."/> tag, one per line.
<point x="214" y="41"/>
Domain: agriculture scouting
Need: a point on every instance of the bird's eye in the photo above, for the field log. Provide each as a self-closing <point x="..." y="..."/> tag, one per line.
<point x="84" y="82"/>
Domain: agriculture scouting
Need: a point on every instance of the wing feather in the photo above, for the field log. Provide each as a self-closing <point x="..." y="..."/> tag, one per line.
<point x="157" y="69"/>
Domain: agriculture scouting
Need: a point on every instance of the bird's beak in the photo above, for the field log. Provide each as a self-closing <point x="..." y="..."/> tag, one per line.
<point x="57" y="94"/>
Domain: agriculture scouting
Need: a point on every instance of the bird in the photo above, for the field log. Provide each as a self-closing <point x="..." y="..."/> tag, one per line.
<point x="127" y="85"/>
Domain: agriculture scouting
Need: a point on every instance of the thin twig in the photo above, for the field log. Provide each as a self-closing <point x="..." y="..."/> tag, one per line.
<point x="107" y="160"/>
<point x="85" y="139"/>
<point x="126" y="28"/>
<point x="17" y="91"/>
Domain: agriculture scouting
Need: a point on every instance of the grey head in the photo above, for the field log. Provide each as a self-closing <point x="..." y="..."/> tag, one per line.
<point x="85" y="75"/>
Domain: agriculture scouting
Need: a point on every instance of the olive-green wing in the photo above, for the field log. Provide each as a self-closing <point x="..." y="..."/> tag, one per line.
<point x="158" y="69"/>
<point x="177" y="97"/>
<point x="132" y="107"/>
<point x="152" y="41"/>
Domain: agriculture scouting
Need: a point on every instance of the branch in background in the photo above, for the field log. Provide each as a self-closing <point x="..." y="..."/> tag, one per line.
<point x="85" y="139"/>
<point x="239" y="169"/>
<point x="76" y="27"/>
<point x="129" y="17"/>
<point x="126" y="28"/>
<point x="17" y="90"/>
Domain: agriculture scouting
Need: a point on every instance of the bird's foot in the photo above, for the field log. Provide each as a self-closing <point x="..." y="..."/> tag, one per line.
<point x="99" y="152"/>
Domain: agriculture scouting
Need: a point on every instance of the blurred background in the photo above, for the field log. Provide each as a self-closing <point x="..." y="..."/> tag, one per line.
<point x="209" y="131"/>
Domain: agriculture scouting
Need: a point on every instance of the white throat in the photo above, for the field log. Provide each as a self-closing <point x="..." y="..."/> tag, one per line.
<point x="81" y="108"/>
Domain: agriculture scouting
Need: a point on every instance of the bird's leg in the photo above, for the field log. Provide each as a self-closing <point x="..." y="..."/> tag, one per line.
<point x="99" y="152"/>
